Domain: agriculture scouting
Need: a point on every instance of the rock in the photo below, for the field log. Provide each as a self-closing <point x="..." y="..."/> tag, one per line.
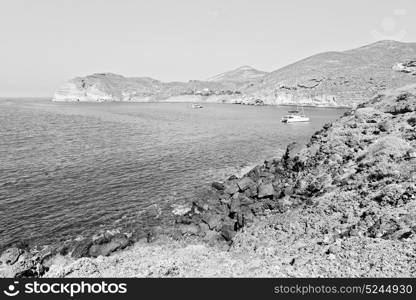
<point x="256" y="208"/>
<point x="10" y="256"/>
<point x="181" y="209"/>
<point x="254" y="173"/>
<point x="265" y="190"/>
<point x="288" y="191"/>
<point x="245" y="183"/>
<point x="203" y="229"/>
<point x="410" y="154"/>
<point x="269" y="164"/>
<point x="121" y="239"/>
<point x="248" y="218"/>
<point x="25" y="268"/>
<point x="267" y="175"/>
<point x="190" y="229"/>
<point x="240" y="220"/>
<point x="44" y="255"/>
<point x="231" y="188"/>
<point x="213" y="221"/>
<point x="200" y="205"/>
<point x="211" y="237"/>
<point x="218" y="186"/>
<point x="246" y="201"/>
<point x="82" y="248"/>
<point x="227" y="231"/>
<point x="384" y="126"/>
<point x="290" y="151"/>
<point x="22" y="245"/>
<point x="225" y="199"/>
<point x="235" y="205"/>
<point x="406" y="67"/>
<point x="104" y="249"/>
<point x="232" y="177"/>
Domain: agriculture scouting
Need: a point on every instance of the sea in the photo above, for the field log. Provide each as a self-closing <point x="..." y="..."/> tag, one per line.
<point x="70" y="170"/>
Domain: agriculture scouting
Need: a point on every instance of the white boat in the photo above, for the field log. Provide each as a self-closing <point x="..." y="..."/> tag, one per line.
<point x="295" y="116"/>
<point x="196" y="105"/>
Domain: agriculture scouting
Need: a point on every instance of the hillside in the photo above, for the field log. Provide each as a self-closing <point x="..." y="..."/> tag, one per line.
<point x="113" y="87"/>
<point x="241" y="74"/>
<point x="326" y="79"/>
<point x="338" y="78"/>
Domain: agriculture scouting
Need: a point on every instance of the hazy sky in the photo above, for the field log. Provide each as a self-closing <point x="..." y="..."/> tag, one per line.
<point x="45" y="42"/>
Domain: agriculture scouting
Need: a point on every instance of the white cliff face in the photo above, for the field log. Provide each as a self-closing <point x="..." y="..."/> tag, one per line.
<point x="71" y="91"/>
<point x="286" y="98"/>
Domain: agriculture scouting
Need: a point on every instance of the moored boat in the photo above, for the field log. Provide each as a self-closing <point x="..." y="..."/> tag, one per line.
<point x="294" y="116"/>
<point x="197" y="105"/>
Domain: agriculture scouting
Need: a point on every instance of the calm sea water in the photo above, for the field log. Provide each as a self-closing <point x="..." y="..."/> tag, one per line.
<point x="71" y="169"/>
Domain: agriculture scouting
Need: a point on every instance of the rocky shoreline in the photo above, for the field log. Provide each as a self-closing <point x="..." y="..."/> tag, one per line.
<point x="345" y="201"/>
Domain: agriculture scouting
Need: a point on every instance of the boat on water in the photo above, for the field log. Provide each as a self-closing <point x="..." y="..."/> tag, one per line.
<point x="196" y="105"/>
<point x="294" y="116"/>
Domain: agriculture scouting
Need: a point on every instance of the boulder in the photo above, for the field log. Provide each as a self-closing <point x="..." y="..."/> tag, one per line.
<point x="265" y="190"/>
<point x="82" y="248"/>
<point x="203" y="229"/>
<point x="266" y="174"/>
<point x="181" y="209"/>
<point x="10" y="256"/>
<point x="189" y="229"/>
<point x="257" y="208"/>
<point x="225" y="200"/>
<point x="120" y="239"/>
<point x="232" y="177"/>
<point x="104" y="249"/>
<point x="384" y="126"/>
<point x="25" y="267"/>
<point x="235" y="205"/>
<point x="240" y="220"/>
<point x="211" y="237"/>
<point x="246" y="201"/>
<point x="218" y="186"/>
<point x="254" y="173"/>
<point x="248" y="218"/>
<point x="44" y="255"/>
<point x="227" y="231"/>
<point x="290" y="151"/>
<point x="231" y="188"/>
<point x="245" y="183"/>
<point x="212" y="220"/>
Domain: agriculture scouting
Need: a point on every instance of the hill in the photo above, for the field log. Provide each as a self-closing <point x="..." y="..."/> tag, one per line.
<point x="327" y="79"/>
<point x="241" y="74"/>
<point x="338" y="78"/>
<point x="113" y="87"/>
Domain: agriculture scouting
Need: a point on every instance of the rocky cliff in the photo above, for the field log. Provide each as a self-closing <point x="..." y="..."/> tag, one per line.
<point x="326" y="79"/>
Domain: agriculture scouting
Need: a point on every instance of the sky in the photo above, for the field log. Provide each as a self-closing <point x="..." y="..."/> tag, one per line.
<point x="43" y="43"/>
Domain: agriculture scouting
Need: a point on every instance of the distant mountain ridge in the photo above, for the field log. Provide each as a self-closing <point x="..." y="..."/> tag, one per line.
<point x="343" y="78"/>
<point x="241" y="74"/>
